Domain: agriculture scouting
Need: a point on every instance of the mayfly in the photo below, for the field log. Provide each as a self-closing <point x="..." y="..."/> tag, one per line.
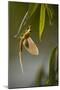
<point x="29" y="45"/>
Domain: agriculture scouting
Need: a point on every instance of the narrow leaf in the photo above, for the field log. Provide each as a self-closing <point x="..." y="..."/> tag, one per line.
<point x="52" y="66"/>
<point x="42" y="20"/>
<point x="50" y="14"/>
<point x="32" y="9"/>
<point x="22" y="22"/>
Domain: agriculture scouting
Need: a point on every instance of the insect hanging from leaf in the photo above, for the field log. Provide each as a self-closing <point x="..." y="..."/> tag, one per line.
<point x="27" y="42"/>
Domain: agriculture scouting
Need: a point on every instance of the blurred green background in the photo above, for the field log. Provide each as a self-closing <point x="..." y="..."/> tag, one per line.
<point x="36" y="68"/>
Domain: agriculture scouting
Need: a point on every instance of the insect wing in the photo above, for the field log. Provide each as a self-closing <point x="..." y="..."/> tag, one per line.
<point x="32" y="49"/>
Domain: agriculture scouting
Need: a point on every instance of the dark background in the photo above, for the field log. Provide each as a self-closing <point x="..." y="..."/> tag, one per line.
<point x="31" y="64"/>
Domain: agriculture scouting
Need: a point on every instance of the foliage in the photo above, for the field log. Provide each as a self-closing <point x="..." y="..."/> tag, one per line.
<point x="53" y="71"/>
<point x="31" y="10"/>
<point x="42" y="20"/>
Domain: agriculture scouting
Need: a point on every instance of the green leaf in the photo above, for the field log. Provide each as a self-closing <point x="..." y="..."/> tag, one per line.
<point x="50" y="13"/>
<point x="42" y="20"/>
<point x="32" y="9"/>
<point x="52" y="66"/>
